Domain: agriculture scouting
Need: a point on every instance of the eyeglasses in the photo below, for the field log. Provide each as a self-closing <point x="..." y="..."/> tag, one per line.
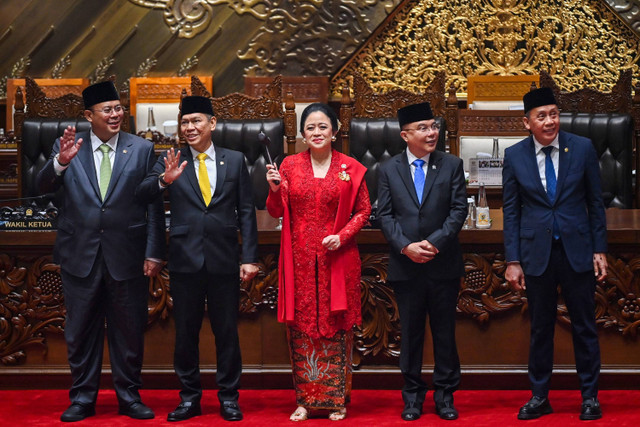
<point x="108" y="110"/>
<point x="424" y="129"/>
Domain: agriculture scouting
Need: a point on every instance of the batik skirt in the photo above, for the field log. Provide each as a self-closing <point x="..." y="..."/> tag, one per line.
<point x="321" y="369"/>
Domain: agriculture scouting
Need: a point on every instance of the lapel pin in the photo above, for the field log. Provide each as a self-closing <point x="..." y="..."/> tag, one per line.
<point x="433" y="167"/>
<point x="566" y="149"/>
<point x="124" y="151"/>
<point x="221" y="163"/>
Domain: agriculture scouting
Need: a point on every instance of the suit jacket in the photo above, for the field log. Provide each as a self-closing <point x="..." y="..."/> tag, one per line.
<point x="126" y="229"/>
<point x="208" y="235"/>
<point x="438" y="217"/>
<point x="578" y="207"/>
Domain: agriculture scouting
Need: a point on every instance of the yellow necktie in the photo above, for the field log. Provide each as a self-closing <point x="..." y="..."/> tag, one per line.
<point x="203" y="178"/>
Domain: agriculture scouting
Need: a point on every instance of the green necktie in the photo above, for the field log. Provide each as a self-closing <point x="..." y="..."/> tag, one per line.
<point x="105" y="170"/>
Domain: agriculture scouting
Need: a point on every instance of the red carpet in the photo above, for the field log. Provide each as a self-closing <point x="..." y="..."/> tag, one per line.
<point x="368" y="408"/>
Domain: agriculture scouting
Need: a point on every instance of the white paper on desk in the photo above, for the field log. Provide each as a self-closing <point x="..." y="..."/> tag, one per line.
<point x="483" y="154"/>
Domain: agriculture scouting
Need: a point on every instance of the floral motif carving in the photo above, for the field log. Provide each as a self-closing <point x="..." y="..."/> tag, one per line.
<point x="580" y="43"/>
<point x="31" y="300"/>
<point x="484" y="290"/>
<point x="31" y="305"/>
<point x="380" y="330"/>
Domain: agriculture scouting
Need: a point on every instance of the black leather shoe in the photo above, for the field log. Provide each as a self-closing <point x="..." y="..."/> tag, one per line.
<point x="77" y="412"/>
<point x="184" y="411"/>
<point x="412" y="411"/>
<point x="230" y="411"/>
<point x="535" y="408"/>
<point x="590" y="409"/>
<point x="137" y="410"/>
<point x="446" y="410"/>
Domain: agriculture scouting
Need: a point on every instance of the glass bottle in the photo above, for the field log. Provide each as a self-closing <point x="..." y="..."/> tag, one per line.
<point x="151" y="124"/>
<point x="495" y="154"/>
<point x="470" y="222"/>
<point x="482" y="211"/>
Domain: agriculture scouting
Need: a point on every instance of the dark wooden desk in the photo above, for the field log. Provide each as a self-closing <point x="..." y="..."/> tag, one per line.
<point x="492" y="330"/>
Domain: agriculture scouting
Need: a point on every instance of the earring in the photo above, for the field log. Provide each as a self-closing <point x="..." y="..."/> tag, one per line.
<point x="333" y="138"/>
<point x="304" y="140"/>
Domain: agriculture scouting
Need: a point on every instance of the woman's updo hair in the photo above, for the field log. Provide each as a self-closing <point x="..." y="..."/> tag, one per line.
<point x="323" y="108"/>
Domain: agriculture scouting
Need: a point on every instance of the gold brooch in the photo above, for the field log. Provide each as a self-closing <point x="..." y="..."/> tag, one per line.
<point x="343" y="175"/>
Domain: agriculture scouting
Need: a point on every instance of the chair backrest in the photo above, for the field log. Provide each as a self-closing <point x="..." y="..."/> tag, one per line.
<point x="53" y="88"/>
<point x="305" y="90"/>
<point x="162" y="94"/>
<point x="612" y="121"/>
<point x="39" y="124"/>
<point x="369" y="124"/>
<point x="240" y="118"/>
<point x="491" y="92"/>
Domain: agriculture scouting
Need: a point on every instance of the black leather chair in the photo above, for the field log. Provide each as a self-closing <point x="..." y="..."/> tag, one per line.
<point x="370" y="130"/>
<point x="612" y="136"/>
<point x="607" y="119"/>
<point x="240" y="118"/>
<point x="38" y="136"/>
<point x="39" y="121"/>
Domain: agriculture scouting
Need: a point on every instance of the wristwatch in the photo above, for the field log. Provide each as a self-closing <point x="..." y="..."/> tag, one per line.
<point x="162" y="181"/>
<point x="59" y="162"/>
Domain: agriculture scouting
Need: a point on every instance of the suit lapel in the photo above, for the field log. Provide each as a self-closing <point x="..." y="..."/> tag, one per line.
<point x="433" y="168"/>
<point x="531" y="165"/>
<point x="124" y="151"/>
<point x="190" y="171"/>
<point x="221" y="172"/>
<point x="564" y="161"/>
<point x="85" y="156"/>
<point x="404" y="171"/>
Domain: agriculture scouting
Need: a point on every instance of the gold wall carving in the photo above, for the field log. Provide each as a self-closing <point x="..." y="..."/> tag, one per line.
<point x="580" y="43"/>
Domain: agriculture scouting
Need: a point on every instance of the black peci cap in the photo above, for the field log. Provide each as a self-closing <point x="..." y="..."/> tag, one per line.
<point x="414" y="113"/>
<point x="99" y="92"/>
<point x="538" y="98"/>
<point x="196" y="104"/>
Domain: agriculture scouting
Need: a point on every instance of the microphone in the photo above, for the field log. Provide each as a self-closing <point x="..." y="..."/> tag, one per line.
<point x="265" y="140"/>
<point x="46" y="196"/>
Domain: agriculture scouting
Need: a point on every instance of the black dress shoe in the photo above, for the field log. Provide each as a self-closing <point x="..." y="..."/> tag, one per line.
<point x="412" y="411"/>
<point x="230" y="411"/>
<point x="77" y="412"/>
<point x="446" y="410"/>
<point x="590" y="409"/>
<point x="184" y="411"/>
<point x="137" y="410"/>
<point x="535" y="408"/>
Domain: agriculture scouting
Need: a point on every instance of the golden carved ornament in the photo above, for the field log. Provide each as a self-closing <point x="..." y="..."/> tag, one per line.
<point x="581" y="43"/>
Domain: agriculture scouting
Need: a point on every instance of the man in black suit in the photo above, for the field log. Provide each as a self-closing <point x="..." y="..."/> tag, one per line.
<point x="555" y="233"/>
<point x="211" y="198"/>
<point x="422" y="205"/>
<point x="107" y="240"/>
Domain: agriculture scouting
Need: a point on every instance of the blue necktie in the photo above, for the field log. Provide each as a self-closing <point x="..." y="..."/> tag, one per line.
<point x="418" y="178"/>
<point x="550" y="176"/>
<point x="550" y="173"/>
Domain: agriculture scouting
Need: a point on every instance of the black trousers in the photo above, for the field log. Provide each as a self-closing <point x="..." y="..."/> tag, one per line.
<point x="578" y="291"/>
<point x="416" y="299"/>
<point x="221" y="293"/>
<point x="91" y="302"/>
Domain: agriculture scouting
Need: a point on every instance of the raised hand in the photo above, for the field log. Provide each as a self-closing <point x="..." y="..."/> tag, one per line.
<point x="69" y="147"/>
<point x="172" y="167"/>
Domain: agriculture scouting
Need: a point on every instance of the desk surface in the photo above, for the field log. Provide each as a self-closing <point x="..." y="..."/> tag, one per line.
<point x="623" y="227"/>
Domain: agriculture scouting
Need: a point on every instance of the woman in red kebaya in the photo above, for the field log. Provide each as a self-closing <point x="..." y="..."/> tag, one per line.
<point x="323" y="200"/>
